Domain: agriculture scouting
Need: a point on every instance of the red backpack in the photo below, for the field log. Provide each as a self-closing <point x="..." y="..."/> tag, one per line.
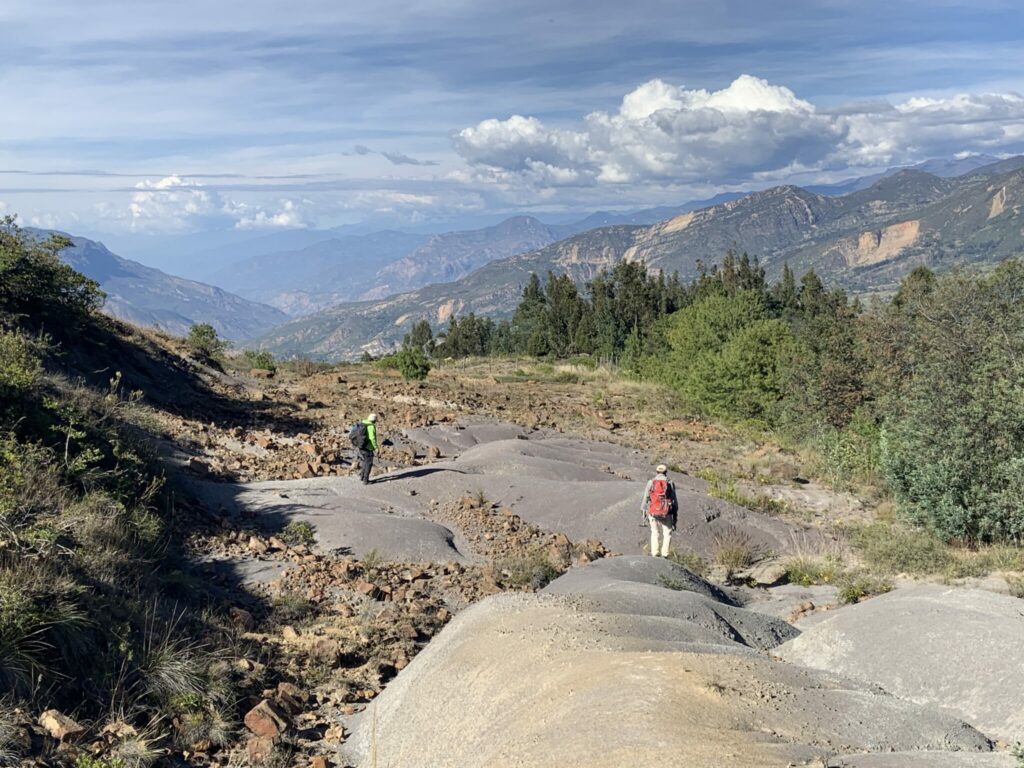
<point x="659" y="504"/>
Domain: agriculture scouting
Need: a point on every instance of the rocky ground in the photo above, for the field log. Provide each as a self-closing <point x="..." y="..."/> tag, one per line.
<point x="486" y="600"/>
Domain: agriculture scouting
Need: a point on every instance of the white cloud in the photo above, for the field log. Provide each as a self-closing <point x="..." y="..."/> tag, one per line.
<point x="290" y="215"/>
<point x="751" y="130"/>
<point x="178" y="204"/>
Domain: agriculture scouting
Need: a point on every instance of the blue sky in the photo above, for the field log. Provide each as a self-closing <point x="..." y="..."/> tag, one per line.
<point x="160" y="117"/>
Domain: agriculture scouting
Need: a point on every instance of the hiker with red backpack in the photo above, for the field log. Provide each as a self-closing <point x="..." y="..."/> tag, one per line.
<point x="660" y="507"/>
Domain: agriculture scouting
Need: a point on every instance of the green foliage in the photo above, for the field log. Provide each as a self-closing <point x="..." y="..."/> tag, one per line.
<point x="691" y="561"/>
<point x="258" y="358"/>
<point x="745" y="377"/>
<point x="298" y="532"/>
<point x="808" y="571"/>
<point x="36" y="285"/>
<point x="421" y="337"/>
<point x="88" y="761"/>
<point x="954" y="430"/>
<point x="854" y="587"/>
<point x="203" y="341"/>
<point x="412" y="363"/>
<point x="532" y="571"/>
<point x="891" y="549"/>
<point x="20" y="364"/>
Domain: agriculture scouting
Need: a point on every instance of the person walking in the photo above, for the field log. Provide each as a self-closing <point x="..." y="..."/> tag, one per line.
<point x="364" y="440"/>
<point x="660" y="507"/>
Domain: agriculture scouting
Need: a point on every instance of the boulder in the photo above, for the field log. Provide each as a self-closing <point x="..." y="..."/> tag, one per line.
<point x="267" y="719"/>
<point x="954" y="648"/>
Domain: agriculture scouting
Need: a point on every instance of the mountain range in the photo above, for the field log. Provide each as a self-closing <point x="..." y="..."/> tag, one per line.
<point x="864" y="240"/>
<point x="147" y="296"/>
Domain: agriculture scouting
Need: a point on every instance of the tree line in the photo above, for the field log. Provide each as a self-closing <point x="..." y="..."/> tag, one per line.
<point x="923" y="391"/>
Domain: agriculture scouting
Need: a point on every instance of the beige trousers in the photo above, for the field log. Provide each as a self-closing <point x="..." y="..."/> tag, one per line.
<point x="662" y="531"/>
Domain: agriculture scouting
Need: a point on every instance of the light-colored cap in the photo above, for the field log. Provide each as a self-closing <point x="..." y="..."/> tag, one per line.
<point x="661" y="469"/>
<point x="372" y="417"/>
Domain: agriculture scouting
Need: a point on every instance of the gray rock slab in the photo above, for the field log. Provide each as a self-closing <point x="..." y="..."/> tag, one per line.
<point x="958" y="649"/>
<point x="540" y="680"/>
<point x="647" y="586"/>
<point x="926" y="760"/>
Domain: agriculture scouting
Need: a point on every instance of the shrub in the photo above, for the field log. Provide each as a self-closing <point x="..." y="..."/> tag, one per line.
<point x="733" y="549"/>
<point x="893" y="549"/>
<point x="203" y="341"/>
<point x="20" y="365"/>
<point x="259" y="358"/>
<point x="954" y="432"/>
<point x="298" y="532"/>
<point x="533" y="570"/>
<point x="808" y="571"/>
<point x="34" y="282"/>
<point x="412" y="363"/>
<point x="854" y="587"/>
<point x="691" y="561"/>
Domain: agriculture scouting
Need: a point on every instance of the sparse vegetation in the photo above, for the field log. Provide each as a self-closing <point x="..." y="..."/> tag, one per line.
<point x="733" y="549"/>
<point x="808" y="570"/>
<point x="857" y="586"/>
<point x="691" y="561"/>
<point x="203" y="341"/>
<point x="298" y="532"/>
<point x="259" y="358"/>
<point x="533" y="570"/>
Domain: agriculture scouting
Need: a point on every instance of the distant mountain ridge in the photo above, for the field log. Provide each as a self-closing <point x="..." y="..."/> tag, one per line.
<point x="865" y="240"/>
<point x="146" y="296"/>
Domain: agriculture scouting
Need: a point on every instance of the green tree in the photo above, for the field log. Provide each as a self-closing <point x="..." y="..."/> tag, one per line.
<point x="35" y="284"/>
<point x="412" y="363"/>
<point x="746" y="377"/>
<point x="203" y="341"/>
<point x="421" y="336"/>
<point x="953" y="408"/>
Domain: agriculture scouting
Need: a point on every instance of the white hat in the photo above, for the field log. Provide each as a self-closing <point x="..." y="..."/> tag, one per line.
<point x="372" y="417"/>
<point x="661" y="469"/>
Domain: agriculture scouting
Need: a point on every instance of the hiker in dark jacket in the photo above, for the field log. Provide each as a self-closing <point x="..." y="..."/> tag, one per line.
<point x="368" y="448"/>
<point x="660" y="507"/>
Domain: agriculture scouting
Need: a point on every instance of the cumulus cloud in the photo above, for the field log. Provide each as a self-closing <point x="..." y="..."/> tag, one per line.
<point x="750" y="130"/>
<point x="178" y="204"/>
<point x="289" y="215"/>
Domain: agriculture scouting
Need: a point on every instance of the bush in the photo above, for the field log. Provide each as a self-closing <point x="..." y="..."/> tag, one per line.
<point x="808" y="571"/>
<point x="854" y="587"/>
<point x="691" y="561"/>
<point x="259" y="358"/>
<point x="745" y="379"/>
<point x="203" y="341"/>
<point x="531" y="571"/>
<point x="412" y="363"/>
<point x="893" y="549"/>
<point x="34" y="283"/>
<point x="954" y="431"/>
<point x="20" y="365"/>
<point x="733" y="549"/>
<point x="298" y="532"/>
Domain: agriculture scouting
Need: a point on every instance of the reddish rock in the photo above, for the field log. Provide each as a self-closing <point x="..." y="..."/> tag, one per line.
<point x="266" y="719"/>
<point x="291" y="698"/>
<point x="261" y="373"/>
<point x="260" y="749"/>
<point x="257" y="545"/>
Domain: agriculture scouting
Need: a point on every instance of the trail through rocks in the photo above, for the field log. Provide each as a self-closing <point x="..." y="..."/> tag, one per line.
<point x="626" y="659"/>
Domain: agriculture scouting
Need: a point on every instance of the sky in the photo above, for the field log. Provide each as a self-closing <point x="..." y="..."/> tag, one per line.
<point x="165" y="118"/>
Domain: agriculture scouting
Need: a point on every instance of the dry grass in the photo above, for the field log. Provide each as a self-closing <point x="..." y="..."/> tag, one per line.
<point x="733" y="549"/>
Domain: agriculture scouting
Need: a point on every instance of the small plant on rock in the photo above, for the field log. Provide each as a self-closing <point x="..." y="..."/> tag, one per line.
<point x="854" y="587"/>
<point x="298" y="532"/>
<point x="733" y="549"/>
<point x="691" y="561"/>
